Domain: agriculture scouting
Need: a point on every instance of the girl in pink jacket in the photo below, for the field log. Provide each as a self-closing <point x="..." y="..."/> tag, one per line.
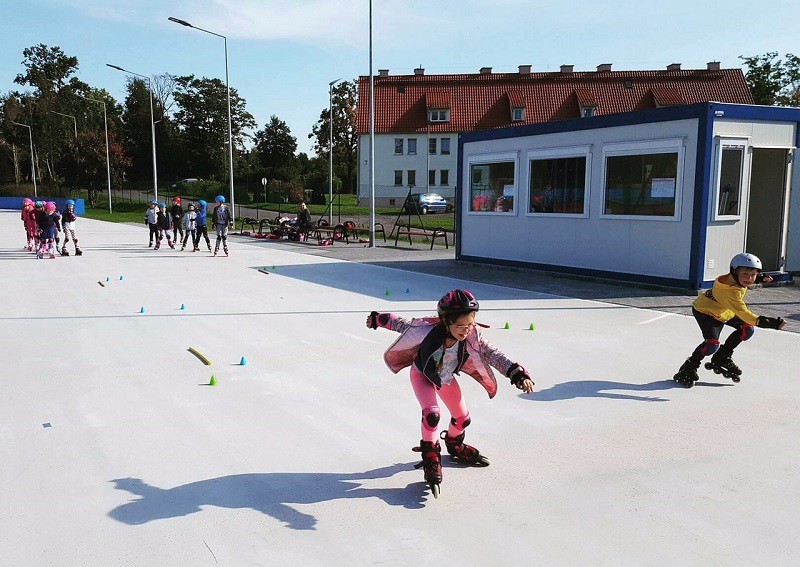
<point x="438" y="349"/>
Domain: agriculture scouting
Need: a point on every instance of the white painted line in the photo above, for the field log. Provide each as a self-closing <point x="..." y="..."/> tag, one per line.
<point x="360" y="338"/>
<point x="656" y="318"/>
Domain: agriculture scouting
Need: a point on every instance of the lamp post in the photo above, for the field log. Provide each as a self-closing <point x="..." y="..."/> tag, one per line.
<point x="152" y="123"/>
<point x="33" y="168"/>
<point x="108" y="159"/>
<point x="228" y="87"/>
<point x="371" y="140"/>
<point x="74" y="120"/>
<point x="330" y="149"/>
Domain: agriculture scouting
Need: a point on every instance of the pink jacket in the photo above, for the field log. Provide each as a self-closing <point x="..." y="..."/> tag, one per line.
<point x="403" y="351"/>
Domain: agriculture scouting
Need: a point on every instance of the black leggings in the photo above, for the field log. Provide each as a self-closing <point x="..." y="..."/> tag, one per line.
<point x="153" y="232"/>
<point x="712" y="329"/>
<point x="202" y="231"/>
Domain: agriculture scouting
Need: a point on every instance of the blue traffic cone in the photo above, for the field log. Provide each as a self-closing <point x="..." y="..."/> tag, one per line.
<point x="183" y="307"/>
<point x="243" y="362"/>
<point x="108" y="279"/>
<point x="121" y="278"/>
<point x="143" y="310"/>
<point x="408" y="290"/>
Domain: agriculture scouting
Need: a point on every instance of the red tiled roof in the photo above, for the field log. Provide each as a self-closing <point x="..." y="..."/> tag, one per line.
<point x="516" y="99"/>
<point x="437" y="99"/>
<point x="586" y="97"/>
<point x="482" y="101"/>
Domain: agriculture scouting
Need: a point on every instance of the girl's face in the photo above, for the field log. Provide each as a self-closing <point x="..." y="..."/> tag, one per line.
<point x="461" y="327"/>
<point x="747" y="276"/>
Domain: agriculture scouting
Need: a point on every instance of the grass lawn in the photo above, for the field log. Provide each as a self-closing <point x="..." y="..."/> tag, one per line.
<point x="122" y="212"/>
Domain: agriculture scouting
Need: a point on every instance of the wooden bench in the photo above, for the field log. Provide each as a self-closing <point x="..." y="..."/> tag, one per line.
<point x="247" y="221"/>
<point x="412" y="231"/>
<point x="351" y="231"/>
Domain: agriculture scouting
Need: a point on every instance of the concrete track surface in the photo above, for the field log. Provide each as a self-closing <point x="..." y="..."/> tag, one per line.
<point x="116" y="452"/>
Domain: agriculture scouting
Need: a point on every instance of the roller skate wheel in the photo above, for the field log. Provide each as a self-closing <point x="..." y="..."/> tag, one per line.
<point x="708" y="366"/>
<point x="736" y="379"/>
<point x="435" y="490"/>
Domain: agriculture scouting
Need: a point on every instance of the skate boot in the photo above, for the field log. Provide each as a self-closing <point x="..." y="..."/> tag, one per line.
<point x="183" y="248"/>
<point x="78" y="251"/>
<point x="171" y="245"/>
<point x="431" y="464"/>
<point x="196" y="249"/>
<point x="226" y="251"/>
<point x="64" y="251"/>
<point x="157" y="246"/>
<point x="52" y="256"/>
<point x="209" y="247"/>
<point x="150" y="245"/>
<point x="462" y="452"/>
<point x="722" y="363"/>
<point x="27" y="248"/>
<point x="687" y="374"/>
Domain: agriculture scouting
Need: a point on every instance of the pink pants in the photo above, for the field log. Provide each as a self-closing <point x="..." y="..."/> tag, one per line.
<point x="451" y="396"/>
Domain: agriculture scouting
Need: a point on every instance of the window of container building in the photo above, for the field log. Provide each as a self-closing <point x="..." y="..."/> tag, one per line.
<point x="729" y="180"/>
<point x="558" y="185"/>
<point x="493" y="186"/>
<point x="641" y="184"/>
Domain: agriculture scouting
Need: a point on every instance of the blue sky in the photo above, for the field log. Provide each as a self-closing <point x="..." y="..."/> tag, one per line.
<point x="283" y="53"/>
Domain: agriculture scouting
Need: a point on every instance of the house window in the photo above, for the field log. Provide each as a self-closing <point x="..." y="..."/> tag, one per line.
<point x="432" y="177"/>
<point x="492" y="187"/>
<point x="444" y="177"/>
<point x="412" y="177"/>
<point x="558" y="185"/>
<point x="398" y="176"/>
<point x="398" y="146"/>
<point x="588" y="111"/>
<point x="445" y="146"/>
<point x="412" y="146"/>
<point x="440" y="115"/>
<point x="729" y="180"/>
<point x="641" y="184"/>
<point x="432" y="146"/>
<point x="517" y="114"/>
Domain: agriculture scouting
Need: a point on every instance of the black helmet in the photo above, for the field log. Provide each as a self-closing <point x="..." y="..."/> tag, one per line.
<point x="456" y="302"/>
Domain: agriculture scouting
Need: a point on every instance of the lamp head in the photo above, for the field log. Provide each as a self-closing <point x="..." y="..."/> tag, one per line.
<point x="181" y="22"/>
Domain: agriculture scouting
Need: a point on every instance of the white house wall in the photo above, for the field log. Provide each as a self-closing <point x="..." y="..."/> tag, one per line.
<point x="386" y="162"/>
<point x="659" y="248"/>
<point x="725" y="239"/>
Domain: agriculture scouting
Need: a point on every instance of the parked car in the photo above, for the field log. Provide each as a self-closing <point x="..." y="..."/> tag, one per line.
<point x="184" y="181"/>
<point x="425" y="203"/>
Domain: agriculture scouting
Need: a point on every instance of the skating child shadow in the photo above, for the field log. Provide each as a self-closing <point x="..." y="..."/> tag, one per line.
<point x="604" y="389"/>
<point x="268" y="493"/>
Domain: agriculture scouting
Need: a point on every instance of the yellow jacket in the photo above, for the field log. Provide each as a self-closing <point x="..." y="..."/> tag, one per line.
<point x="725" y="300"/>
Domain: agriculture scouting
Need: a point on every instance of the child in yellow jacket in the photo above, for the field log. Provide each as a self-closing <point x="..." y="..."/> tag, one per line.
<point x="724" y="305"/>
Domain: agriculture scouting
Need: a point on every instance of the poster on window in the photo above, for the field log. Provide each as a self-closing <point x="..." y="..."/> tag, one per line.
<point x="509" y="190"/>
<point x="663" y="188"/>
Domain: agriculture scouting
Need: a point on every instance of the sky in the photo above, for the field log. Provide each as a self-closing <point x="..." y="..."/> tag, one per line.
<point x="283" y="53"/>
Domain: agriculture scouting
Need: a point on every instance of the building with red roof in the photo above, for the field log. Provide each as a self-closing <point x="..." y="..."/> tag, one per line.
<point x="418" y="117"/>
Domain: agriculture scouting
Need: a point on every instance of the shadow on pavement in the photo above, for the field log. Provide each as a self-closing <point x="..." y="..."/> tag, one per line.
<point x="269" y="493"/>
<point x="605" y="389"/>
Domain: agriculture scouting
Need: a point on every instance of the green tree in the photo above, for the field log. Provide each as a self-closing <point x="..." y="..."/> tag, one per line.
<point x="86" y="164"/>
<point x="202" y="117"/>
<point x="772" y="80"/>
<point x="276" y="149"/>
<point x="345" y="139"/>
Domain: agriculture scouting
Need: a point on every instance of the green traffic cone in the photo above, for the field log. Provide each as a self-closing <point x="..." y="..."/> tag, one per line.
<point x="213" y="381"/>
<point x="508" y="325"/>
<point x="387" y="292"/>
<point x="532" y="327"/>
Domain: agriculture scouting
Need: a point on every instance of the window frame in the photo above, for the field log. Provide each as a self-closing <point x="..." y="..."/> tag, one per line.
<point x="445" y="118"/>
<point x="719" y="143"/>
<point x="444" y="180"/>
<point x="642" y="147"/>
<point x="408" y="147"/>
<point x="441" y="147"/>
<point x="396" y="171"/>
<point x="521" y="110"/>
<point x="588" y="111"/>
<point x="402" y="146"/>
<point x="431" y="178"/>
<point x="408" y="177"/>
<point x="480" y="159"/>
<point x="564" y="152"/>
<point x="435" y="146"/>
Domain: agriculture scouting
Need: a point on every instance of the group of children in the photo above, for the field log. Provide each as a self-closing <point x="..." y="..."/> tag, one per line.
<point x="438" y="349"/>
<point x="190" y="224"/>
<point x="43" y="221"/>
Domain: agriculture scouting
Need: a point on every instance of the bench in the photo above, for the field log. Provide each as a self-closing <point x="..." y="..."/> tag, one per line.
<point x="351" y="231"/>
<point x="410" y="231"/>
<point x="247" y="221"/>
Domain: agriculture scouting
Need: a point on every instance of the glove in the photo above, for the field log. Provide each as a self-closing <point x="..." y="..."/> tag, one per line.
<point x="771" y="322"/>
<point x="517" y="374"/>
<point x="372" y="320"/>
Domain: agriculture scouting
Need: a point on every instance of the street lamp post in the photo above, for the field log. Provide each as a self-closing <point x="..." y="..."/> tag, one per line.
<point x="330" y="149"/>
<point x="152" y="123"/>
<point x="74" y="120"/>
<point x="33" y="168"/>
<point x="228" y="87"/>
<point x="371" y="140"/>
<point x="108" y="159"/>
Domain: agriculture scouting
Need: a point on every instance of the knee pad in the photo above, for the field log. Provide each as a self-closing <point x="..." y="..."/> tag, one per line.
<point x="747" y="331"/>
<point x="430" y="418"/>
<point x="460" y="422"/>
<point x="710" y="347"/>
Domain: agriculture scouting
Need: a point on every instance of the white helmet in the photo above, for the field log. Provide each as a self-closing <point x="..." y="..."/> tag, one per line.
<point x="745" y="260"/>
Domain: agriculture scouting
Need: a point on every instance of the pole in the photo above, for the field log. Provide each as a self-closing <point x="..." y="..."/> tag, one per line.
<point x="108" y="157"/>
<point x="330" y="153"/>
<point x="230" y="129"/>
<point x="153" y="132"/>
<point x="33" y="167"/>
<point x="371" y="140"/>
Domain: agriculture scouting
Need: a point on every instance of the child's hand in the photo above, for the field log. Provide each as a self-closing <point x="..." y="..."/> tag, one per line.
<point x="520" y="378"/>
<point x="771" y="322"/>
<point x="372" y="320"/>
<point x="766" y="279"/>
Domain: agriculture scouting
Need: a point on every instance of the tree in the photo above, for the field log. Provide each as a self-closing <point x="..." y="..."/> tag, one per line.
<point x="202" y="117"/>
<point x="345" y="139"/>
<point x="86" y="163"/>
<point x="276" y="146"/>
<point x="773" y="81"/>
<point x="137" y="138"/>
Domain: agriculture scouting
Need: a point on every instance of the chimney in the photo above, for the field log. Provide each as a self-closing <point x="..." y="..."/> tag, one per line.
<point x="712" y="65"/>
<point x="567" y="68"/>
<point x="383" y="72"/>
<point x="486" y="71"/>
<point x="525" y="69"/>
<point x="419" y="71"/>
<point x="674" y="67"/>
<point x="603" y="67"/>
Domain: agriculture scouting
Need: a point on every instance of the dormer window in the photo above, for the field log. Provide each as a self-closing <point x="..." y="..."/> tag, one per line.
<point x="518" y="114"/>
<point x="439" y="115"/>
<point x="588" y="111"/>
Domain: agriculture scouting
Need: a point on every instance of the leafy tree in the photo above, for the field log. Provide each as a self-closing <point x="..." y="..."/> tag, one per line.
<point x="137" y="137"/>
<point x="276" y="149"/>
<point x="772" y="80"/>
<point x="202" y="117"/>
<point x="345" y="139"/>
<point x="86" y="163"/>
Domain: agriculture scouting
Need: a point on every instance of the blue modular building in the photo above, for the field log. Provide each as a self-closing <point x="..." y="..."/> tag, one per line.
<point x="665" y="196"/>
